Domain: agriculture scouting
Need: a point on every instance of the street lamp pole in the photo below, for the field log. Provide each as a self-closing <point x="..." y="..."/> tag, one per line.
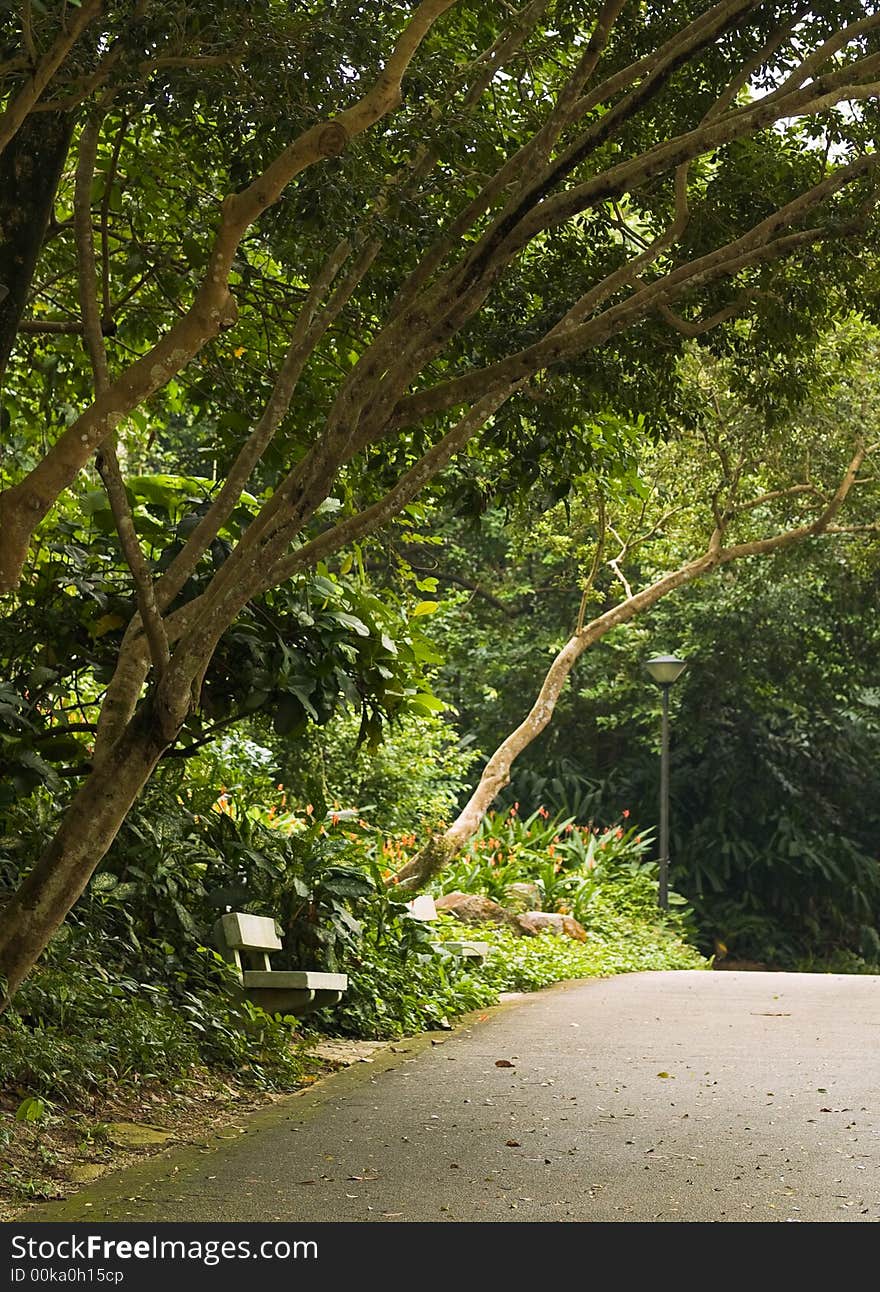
<point x="664" y="669"/>
<point x="663" y="893"/>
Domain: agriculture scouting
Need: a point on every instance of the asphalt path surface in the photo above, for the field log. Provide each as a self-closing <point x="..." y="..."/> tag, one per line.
<point x="689" y="1096"/>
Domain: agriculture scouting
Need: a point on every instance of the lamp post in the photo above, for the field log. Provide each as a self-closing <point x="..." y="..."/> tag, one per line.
<point x="664" y="669"/>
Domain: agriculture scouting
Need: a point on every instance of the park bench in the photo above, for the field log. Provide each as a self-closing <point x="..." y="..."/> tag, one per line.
<point x="423" y="908"/>
<point x="245" y="941"/>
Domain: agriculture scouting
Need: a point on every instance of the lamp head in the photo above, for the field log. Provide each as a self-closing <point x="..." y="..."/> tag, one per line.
<point x="664" y="669"/>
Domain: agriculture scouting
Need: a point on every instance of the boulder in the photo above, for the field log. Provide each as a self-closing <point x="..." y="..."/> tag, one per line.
<point x="522" y="896"/>
<point x="472" y="908"/>
<point x="567" y="925"/>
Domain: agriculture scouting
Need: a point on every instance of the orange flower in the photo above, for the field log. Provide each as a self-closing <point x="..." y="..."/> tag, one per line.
<point x="625" y="813"/>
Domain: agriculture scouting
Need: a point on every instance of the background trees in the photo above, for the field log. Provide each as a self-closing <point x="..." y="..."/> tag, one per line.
<point x="775" y="727"/>
<point x="442" y="229"/>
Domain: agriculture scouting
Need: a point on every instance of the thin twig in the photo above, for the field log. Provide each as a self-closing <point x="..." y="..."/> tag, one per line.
<point x="597" y="561"/>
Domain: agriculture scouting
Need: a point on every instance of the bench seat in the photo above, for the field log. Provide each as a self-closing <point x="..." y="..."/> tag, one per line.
<point x="303" y="979"/>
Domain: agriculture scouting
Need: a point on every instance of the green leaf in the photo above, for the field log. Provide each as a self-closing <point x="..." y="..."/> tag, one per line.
<point x="351" y="621"/>
<point x="424" y="702"/>
<point x="31" y="1109"/>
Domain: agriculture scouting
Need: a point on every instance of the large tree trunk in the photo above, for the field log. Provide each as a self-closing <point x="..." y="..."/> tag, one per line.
<point x="30" y="168"/>
<point x="90" y="825"/>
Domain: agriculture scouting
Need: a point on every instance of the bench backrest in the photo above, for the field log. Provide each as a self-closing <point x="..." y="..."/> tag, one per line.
<point x="422" y="907"/>
<point x="250" y="932"/>
<point x="252" y="937"/>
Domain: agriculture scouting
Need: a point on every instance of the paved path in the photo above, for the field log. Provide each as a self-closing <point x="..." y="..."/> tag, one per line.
<point x="651" y="1097"/>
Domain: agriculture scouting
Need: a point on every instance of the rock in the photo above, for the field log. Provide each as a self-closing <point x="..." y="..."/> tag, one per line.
<point x="522" y="896"/>
<point x="136" y="1135"/>
<point x="566" y="925"/>
<point x="343" y="1053"/>
<point x="472" y="908"/>
<point x="85" y="1172"/>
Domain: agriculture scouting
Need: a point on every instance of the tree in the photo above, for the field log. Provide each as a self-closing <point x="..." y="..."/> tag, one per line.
<point x="519" y="201"/>
<point x="725" y="489"/>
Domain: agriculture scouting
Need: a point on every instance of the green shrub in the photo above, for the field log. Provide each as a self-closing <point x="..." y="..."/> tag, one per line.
<point x="72" y="1033"/>
<point x="572" y="865"/>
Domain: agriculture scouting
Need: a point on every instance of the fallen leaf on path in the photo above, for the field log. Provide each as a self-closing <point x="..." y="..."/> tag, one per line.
<point x="513" y="1143"/>
<point x="503" y="1063"/>
<point x="662" y="1074"/>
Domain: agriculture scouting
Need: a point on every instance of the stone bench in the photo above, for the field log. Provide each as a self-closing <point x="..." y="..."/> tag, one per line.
<point x="245" y="941"/>
<point x="423" y="908"/>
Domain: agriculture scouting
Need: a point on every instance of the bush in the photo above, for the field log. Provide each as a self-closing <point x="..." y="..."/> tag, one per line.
<point x="581" y="870"/>
<point x="623" y="946"/>
<point x="71" y="1033"/>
